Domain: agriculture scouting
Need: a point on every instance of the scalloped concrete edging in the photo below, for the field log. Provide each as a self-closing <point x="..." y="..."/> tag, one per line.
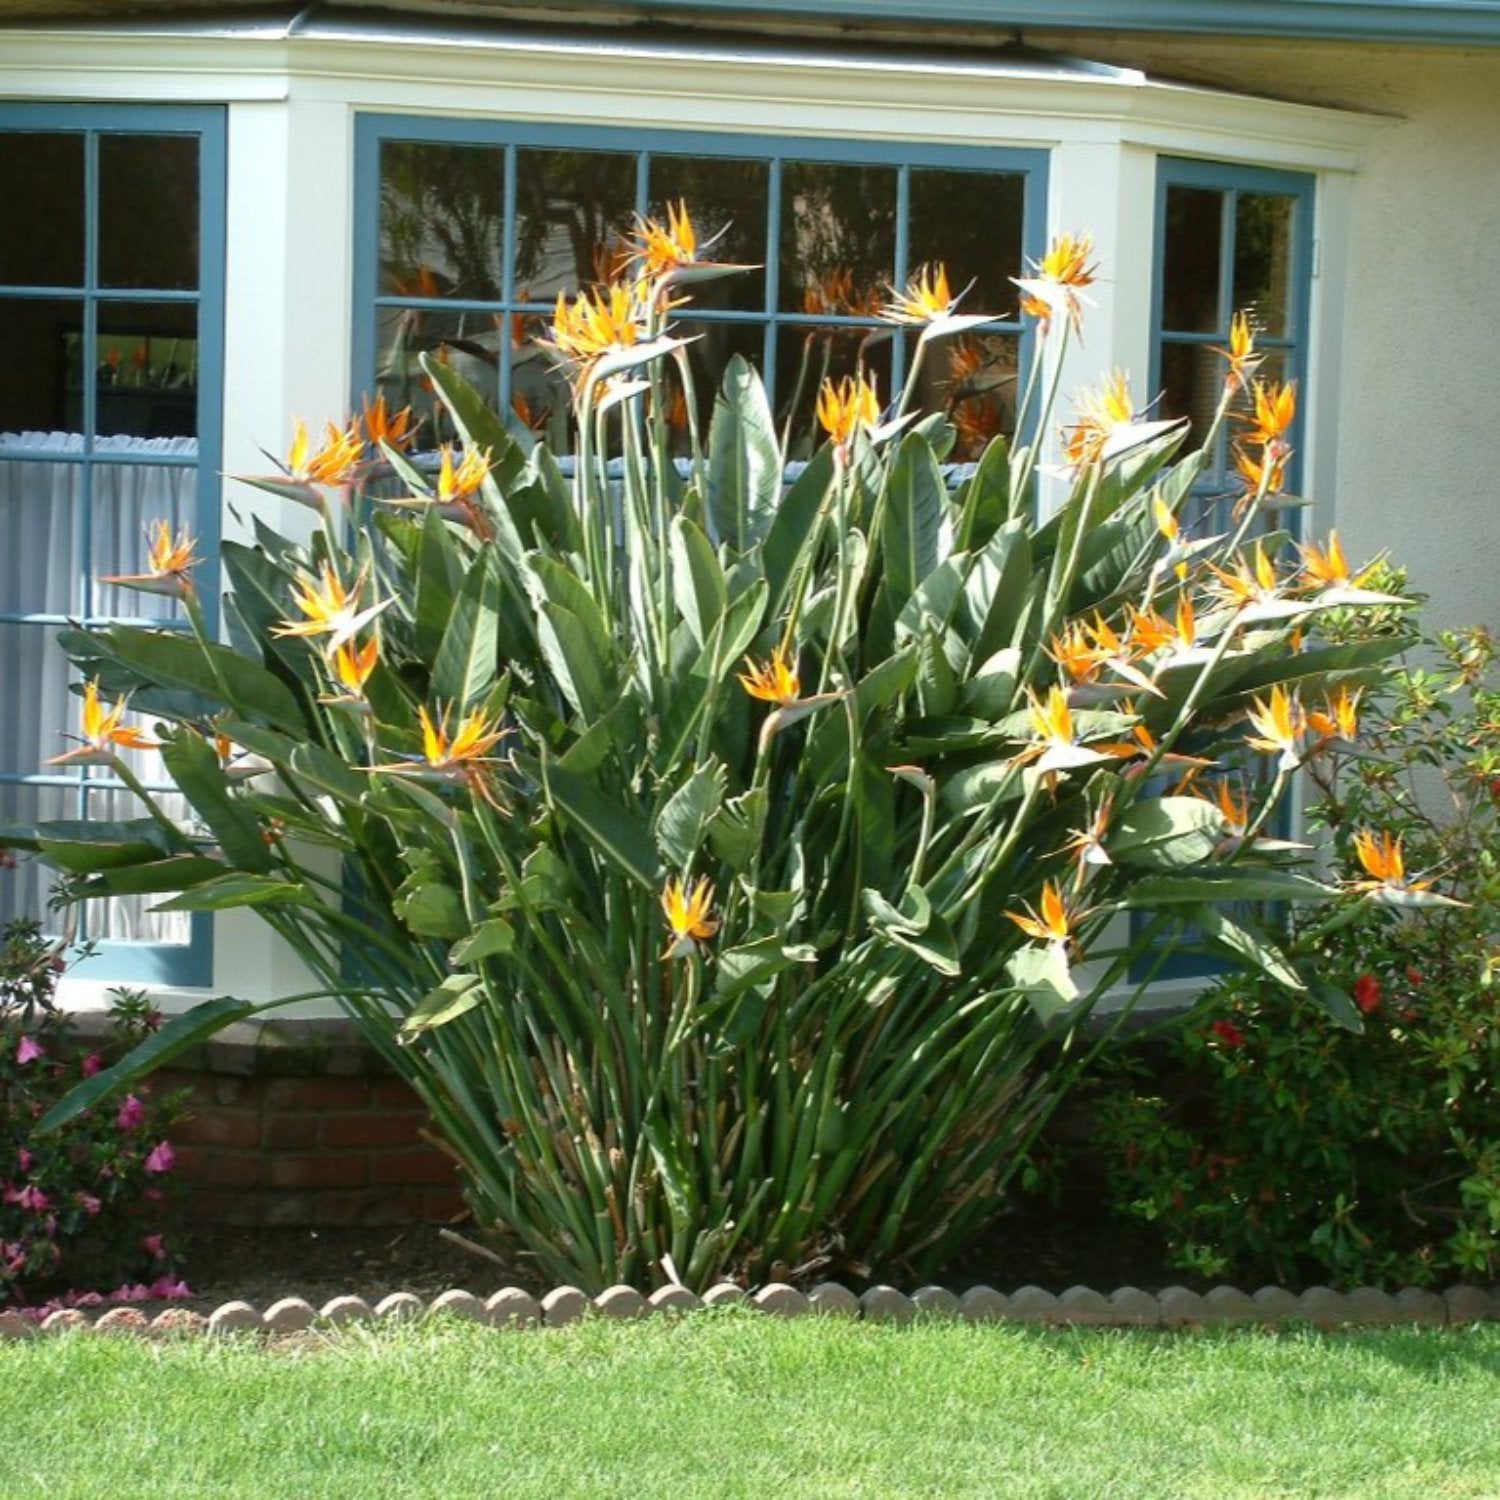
<point x="1079" y="1307"/>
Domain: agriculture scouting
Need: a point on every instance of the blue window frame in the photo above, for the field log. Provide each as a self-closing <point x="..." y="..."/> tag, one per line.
<point x="466" y="232"/>
<point x="110" y="420"/>
<point x="1228" y="238"/>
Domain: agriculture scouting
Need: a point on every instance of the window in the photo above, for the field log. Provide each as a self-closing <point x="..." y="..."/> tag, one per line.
<point x="467" y="232"/>
<point x="1228" y="238"/>
<point x="111" y="305"/>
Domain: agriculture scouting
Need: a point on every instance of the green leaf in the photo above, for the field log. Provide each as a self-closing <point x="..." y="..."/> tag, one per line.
<point x="614" y="831"/>
<point x="179" y="873"/>
<point x="984" y="506"/>
<point x="915" y="501"/>
<point x="491" y="939"/>
<point x="744" y="459"/>
<point x="1224" y="883"/>
<point x="430" y="907"/>
<point x="468" y="658"/>
<point x="455" y="995"/>
<point x="697" y="579"/>
<point x="440" y="575"/>
<point x="82" y="847"/>
<point x="568" y="647"/>
<point x="1241" y="943"/>
<point x="999" y="591"/>
<point x="1042" y="974"/>
<point x="235" y="889"/>
<point x="173" y="1038"/>
<point x="194" y="765"/>
<point x="734" y="834"/>
<point x="788" y="544"/>
<point x="1166" y="833"/>
<point x="683" y="822"/>
<point x="214" y="672"/>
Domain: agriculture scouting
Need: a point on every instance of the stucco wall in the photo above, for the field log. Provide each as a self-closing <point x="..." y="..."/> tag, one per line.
<point x="1418" y="446"/>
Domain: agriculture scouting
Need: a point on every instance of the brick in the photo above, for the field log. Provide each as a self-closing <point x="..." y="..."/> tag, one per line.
<point x="291" y="1132"/>
<point x="665" y="1299"/>
<point x="392" y="1093"/>
<point x="1130" y="1307"/>
<point x="1227" y="1304"/>
<point x="511" y="1307"/>
<point x="399" y="1307"/>
<point x="1084" y="1307"/>
<point x="1468" y="1304"/>
<point x="780" y="1300"/>
<point x="725" y="1294"/>
<point x="337" y="1208"/>
<point x="1181" y="1308"/>
<point x="1031" y="1304"/>
<point x="321" y="1171"/>
<point x="234" y="1169"/>
<point x="983" y="1304"/>
<point x="342" y="1310"/>
<point x="422" y="1168"/>
<point x="1323" y="1307"/>
<point x="288" y="1210"/>
<point x="565" y="1304"/>
<point x="1418" y="1305"/>
<point x="884" y="1304"/>
<point x="289" y="1315"/>
<point x="225" y="1127"/>
<point x="459" y="1303"/>
<point x="937" y="1302"/>
<point x="442" y="1207"/>
<point x="620" y="1302"/>
<point x="123" y="1320"/>
<point x="383" y="1129"/>
<point x="235" y="1090"/>
<point x="317" y="1093"/>
<point x="228" y="1210"/>
<point x="1275" y="1304"/>
<point x="233" y="1317"/>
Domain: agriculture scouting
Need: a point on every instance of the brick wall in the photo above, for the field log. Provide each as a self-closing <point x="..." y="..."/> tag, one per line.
<point x="297" y="1123"/>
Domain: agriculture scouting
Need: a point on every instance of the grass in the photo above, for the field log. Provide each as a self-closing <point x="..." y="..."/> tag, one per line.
<point x="735" y="1405"/>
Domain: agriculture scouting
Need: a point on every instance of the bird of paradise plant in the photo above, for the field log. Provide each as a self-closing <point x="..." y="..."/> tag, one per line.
<point x="683" y="806"/>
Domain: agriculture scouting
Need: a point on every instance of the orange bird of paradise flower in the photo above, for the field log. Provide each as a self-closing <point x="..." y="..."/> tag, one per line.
<point x="925" y="298"/>
<point x="329" y="609"/>
<point x="102" y="731"/>
<point x="1052" y="921"/>
<point x="687" y="914"/>
<point x="846" y="408"/>
<point x="169" y="559"/>
<point x="775" y="681"/>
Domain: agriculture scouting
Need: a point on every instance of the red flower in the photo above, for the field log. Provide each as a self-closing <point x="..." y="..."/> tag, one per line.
<point x="1413" y="975"/>
<point x="1366" y="993"/>
<point x="1228" y="1033"/>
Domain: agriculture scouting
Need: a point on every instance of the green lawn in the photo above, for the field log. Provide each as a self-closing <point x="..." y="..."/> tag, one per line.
<point x="728" y="1405"/>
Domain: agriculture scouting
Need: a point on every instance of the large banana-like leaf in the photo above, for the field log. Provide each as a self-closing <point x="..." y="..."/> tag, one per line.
<point x="744" y="460"/>
<point x="467" y="660"/>
<point x="915" y="502"/>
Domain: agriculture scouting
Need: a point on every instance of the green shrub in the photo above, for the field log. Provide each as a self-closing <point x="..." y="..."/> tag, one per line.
<point x="722" y="846"/>
<point x="1355" y="1140"/>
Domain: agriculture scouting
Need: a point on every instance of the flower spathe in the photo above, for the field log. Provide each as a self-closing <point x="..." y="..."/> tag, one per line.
<point x="1278" y="723"/>
<point x="687" y="914"/>
<point x="1051" y="921"/>
<point x="336" y="462"/>
<point x="1101" y="412"/>
<point x="102" y="732"/>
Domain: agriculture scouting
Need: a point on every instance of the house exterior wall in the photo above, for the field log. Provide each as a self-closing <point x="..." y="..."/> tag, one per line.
<point x="1412" y="466"/>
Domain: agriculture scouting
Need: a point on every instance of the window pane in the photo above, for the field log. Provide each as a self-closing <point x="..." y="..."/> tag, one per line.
<point x="1192" y="381"/>
<point x="41" y="376"/>
<point x="148" y="370"/>
<point x="573" y="212"/>
<point x="973" y="380"/>
<point x="713" y="347"/>
<point x="1263" y="259"/>
<point x="726" y="195"/>
<point x="128" y="500"/>
<point x="128" y="919"/>
<point x="41" y="523"/>
<point x="34" y="676"/>
<point x="25" y="891"/>
<point x="441" y="220"/>
<point x="41" y="174"/>
<point x="148" y="211"/>
<point x="838" y="236"/>
<point x="468" y="341"/>
<point x="1194" y="235"/>
<point x="805" y="357"/>
<point x="971" y="222"/>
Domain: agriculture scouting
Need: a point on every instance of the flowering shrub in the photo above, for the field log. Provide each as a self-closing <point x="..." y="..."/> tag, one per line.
<point x="1357" y="1139"/>
<point x="732" y="851"/>
<point x="82" y="1206"/>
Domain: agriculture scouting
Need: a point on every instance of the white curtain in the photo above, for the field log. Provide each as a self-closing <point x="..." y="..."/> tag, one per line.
<point x="45" y="530"/>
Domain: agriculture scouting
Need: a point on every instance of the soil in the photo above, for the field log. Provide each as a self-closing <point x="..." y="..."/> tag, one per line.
<point x="1053" y="1246"/>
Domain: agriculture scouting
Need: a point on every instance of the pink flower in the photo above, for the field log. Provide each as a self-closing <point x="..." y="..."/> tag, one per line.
<point x="25" y="1158"/>
<point x="153" y="1243"/>
<point x="162" y="1159"/>
<point x="88" y="1203"/>
<point x="131" y="1292"/>
<point x="166" y="1286"/>
<point x="91" y="1064"/>
<point x="132" y="1113"/>
<point x="28" y="1051"/>
<point x="30" y="1197"/>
